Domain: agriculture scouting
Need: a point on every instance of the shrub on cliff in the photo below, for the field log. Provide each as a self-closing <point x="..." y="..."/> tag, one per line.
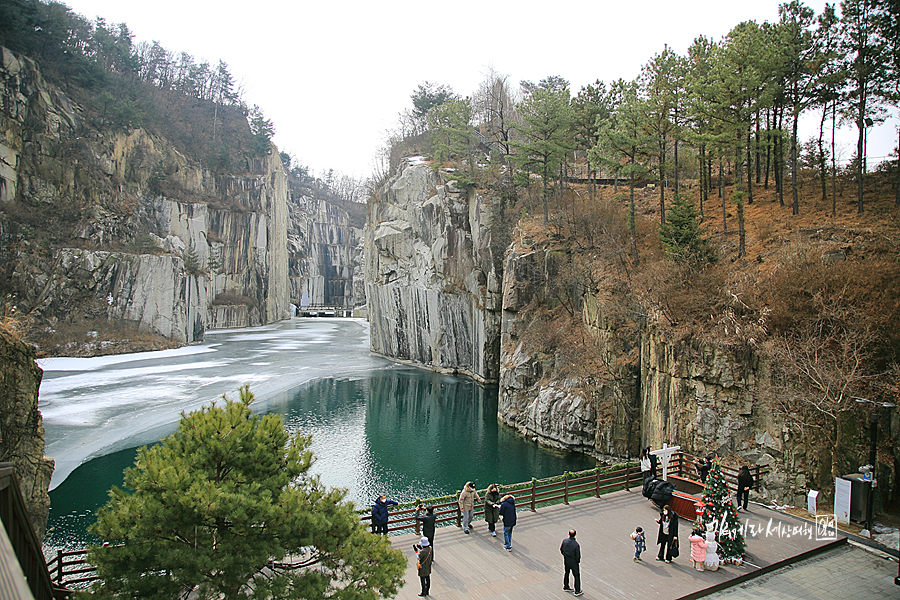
<point x="682" y="234"/>
<point x="220" y="503"/>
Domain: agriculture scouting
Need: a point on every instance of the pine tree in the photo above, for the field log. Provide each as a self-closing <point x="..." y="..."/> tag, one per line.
<point x="218" y="504"/>
<point x="681" y="234"/>
<point x="720" y="514"/>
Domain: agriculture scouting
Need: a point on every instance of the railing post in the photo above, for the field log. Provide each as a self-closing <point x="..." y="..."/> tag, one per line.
<point x="533" y="492"/>
<point x="58" y="569"/>
<point x="597" y="481"/>
<point x="566" y="492"/>
<point x="627" y="476"/>
<point x="458" y="511"/>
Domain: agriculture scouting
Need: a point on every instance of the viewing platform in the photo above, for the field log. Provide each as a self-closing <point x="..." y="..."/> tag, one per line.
<point x="475" y="566"/>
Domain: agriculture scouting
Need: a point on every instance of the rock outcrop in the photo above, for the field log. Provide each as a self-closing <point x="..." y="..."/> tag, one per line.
<point x="432" y="290"/>
<point x="21" y="431"/>
<point x="118" y="225"/>
<point x="706" y="398"/>
<point x="325" y="257"/>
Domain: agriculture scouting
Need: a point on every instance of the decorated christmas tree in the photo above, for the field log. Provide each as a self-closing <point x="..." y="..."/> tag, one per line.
<point x="720" y="515"/>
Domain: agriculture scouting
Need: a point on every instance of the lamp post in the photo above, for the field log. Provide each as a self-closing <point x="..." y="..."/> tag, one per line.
<point x="873" y="435"/>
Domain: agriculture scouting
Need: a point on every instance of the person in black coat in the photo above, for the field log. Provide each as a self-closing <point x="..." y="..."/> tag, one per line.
<point x="703" y="466"/>
<point x="744" y="483"/>
<point x="380" y="514"/>
<point x="667" y="538"/>
<point x="492" y="507"/>
<point x="571" y="552"/>
<point x="427" y="520"/>
<point x="654" y="463"/>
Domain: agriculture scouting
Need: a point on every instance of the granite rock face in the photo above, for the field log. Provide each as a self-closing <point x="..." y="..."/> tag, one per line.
<point x="706" y="398"/>
<point x="432" y="290"/>
<point x="135" y="230"/>
<point x="557" y="412"/>
<point x="21" y="431"/>
<point x="325" y="257"/>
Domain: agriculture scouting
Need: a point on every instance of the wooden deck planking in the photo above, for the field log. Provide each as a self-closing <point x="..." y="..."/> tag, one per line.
<point x="476" y="566"/>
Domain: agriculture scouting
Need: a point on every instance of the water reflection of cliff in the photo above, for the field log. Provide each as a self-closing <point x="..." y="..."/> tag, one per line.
<point x="441" y="431"/>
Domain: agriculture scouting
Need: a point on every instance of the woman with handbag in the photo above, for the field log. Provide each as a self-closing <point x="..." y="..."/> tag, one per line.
<point x="667" y="538"/>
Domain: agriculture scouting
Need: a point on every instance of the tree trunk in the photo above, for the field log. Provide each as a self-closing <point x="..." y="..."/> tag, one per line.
<point x="662" y="181"/>
<point x="861" y="149"/>
<point x="702" y="177"/>
<point x="833" y="159"/>
<point x="631" y="218"/>
<point x="546" y="200"/>
<point x="823" y="180"/>
<point x="769" y="125"/>
<point x="795" y="194"/>
<point x="722" y="196"/>
<point x="758" y="165"/>
<point x="749" y="168"/>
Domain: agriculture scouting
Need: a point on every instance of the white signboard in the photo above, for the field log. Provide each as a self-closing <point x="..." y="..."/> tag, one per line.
<point x="811" y="502"/>
<point x="842" y="500"/>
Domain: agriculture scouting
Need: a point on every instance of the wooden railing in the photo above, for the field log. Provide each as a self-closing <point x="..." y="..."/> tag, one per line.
<point x="682" y="464"/>
<point x="533" y="494"/>
<point x="69" y="568"/>
<point x="22" y="538"/>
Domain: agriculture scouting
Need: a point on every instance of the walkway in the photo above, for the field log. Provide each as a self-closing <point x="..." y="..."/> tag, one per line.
<point x="476" y="566"/>
<point x="846" y="573"/>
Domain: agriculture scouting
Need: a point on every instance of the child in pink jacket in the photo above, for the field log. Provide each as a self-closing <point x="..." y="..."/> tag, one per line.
<point x="698" y="550"/>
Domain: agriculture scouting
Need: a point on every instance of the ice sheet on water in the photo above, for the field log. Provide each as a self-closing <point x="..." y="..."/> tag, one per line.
<point x="67" y="363"/>
<point x="92" y="407"/>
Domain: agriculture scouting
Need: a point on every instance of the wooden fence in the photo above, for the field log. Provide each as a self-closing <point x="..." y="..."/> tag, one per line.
<point x="70" y="568"/>
<point x="24" y="546"/>
<point x="533" y="494"/>
<point x="682" y="464"/>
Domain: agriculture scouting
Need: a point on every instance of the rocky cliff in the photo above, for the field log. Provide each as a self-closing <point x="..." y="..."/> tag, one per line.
<point x="117" y="225"/>
<point x="21" y="431"/>
<point x="707" y="398"/>
<point x="432" y="289"/>
<point x="325" y="256"/>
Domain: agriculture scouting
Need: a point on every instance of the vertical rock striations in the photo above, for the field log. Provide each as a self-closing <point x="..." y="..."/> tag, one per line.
<point x="709" y="399"/>
<point x="120" y="226"/>
<point x="324" y="254"/>
<point x="433" y="294"/>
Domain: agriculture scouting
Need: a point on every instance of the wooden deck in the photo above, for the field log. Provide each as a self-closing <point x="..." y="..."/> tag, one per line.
<point x="476" y="566"/>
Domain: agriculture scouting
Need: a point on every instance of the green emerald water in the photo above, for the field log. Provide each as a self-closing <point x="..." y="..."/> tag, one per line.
<point x="404" y="432"/>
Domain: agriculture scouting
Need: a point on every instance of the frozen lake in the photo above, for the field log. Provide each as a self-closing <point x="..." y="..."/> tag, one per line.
<point x="97" y="406"/>
<point x="376" y="426"/>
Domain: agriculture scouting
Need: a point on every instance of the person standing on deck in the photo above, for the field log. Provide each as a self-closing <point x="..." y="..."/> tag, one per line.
<point x="571" y="552"/>
<point x="508" y="514"/>
<point x="428" y="520"/>
<point x="423" y="566"/>
<point x="492" y="508"/>
<point x="744" y="483"/>
<point x="467" y="499"/>
<point x="667" y="538"/>
<point x="380" y="514"/>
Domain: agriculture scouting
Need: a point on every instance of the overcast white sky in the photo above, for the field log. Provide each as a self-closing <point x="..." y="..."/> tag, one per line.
<point x="333" y="75"/>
